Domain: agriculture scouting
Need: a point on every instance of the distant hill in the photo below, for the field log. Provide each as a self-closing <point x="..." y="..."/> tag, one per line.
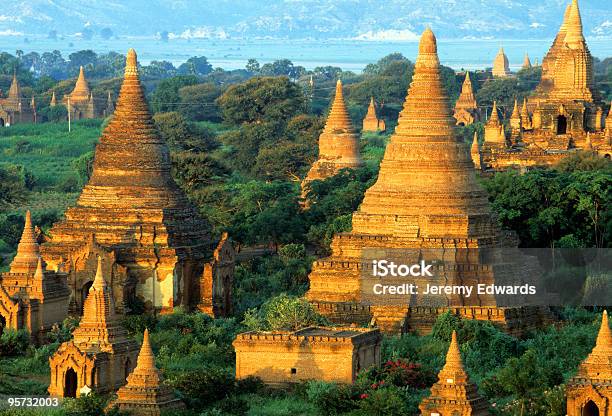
<point x="363" y="19"/>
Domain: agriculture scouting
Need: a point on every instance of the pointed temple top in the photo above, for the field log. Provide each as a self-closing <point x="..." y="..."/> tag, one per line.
<point x="81" y="90"/>
<point x="475" y="142"/>
<point x="566" y="14"/>
<point x="14" y="93"/>
<point x="466" y="87"/>
<point x="574" y="37"/>
<point x="338" y="119"/>
<point x="39" y="274"/>
<point x="597" y="364"/>
<point x="453" y="371"/>
<point x="53" y="102"/>
<point x="604" y="337"/>
<point x="99" y="282"/>
<point x="494" y="114"/>
<point x="526" y="61"/>
<point x="28" y="252"/>
<point x="524" y="109"/>
<point x="146" y="359"/>
<point x="130" y="149"/>
<point x="515" y="110"/>
<point x="371" y="109"/>
<point x="426" y="112"/>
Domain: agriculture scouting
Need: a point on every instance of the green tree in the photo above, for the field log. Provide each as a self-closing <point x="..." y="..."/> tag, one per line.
<point x="261" y="99"/>
<point x="252" y="66"/>
<point x="166" y="96"/>
<point x="196" y="65"/>
<point x="198" y="102"/>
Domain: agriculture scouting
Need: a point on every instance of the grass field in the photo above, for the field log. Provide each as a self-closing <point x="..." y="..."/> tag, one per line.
<point x="47" y="150"/>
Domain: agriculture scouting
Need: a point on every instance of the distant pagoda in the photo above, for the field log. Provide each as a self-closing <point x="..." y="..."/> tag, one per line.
<point x="423" y="157"/>
<point x="501" y="66"/>
<point x="144" y="394"/>
<point x="338" y="144"/>
<point x="466" y="109"/>
<point x="589" y="392"/>
<point x="132" y="213"/>
<point x="526" y="62"/>
<point x="454" y="394"/>
<point x="14" y="109"/>
<point x="371" y="122"/>
<point x="80" y="101"/>
<point x="564" y="114"/>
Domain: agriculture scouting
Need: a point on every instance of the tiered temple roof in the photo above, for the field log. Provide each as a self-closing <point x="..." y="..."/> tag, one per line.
<point x="423" y="157"/>
<point x="144" y="394"/>
<point x="31" y="297"/>
<point x="590" y="391"/>
<point x="101" y="353"/>
<point x="466" y="108"/>
<point x="338" y="144"/>
<point x="454" y="392"/>
<point x="501" y="66"/>
<point x="133" y="207"/>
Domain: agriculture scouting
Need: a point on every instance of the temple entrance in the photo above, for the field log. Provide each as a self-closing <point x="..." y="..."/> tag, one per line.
<point x="2" y="324"/>
<point x="590" y="409"/>
<point x="561" y="125"/>
<point x="1" y="122"/>
<point x="70" y="383"/>
<point x="84" y="292"/>
<point x="127" y="368"/>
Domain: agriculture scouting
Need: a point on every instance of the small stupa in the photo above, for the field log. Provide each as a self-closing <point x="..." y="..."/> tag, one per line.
<point x="338" y="144"/>
<point x="526" y="62"/>
<point x="144" y="394"/>
<point x="589" y="392"/>
<point x="371" y="122"/>
<point x="454" y="394"/>
<point x="466" y="108"/>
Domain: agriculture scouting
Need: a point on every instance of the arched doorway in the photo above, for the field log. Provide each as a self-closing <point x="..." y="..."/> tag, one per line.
<point x="1" y="122"/>
<point x="2" y="324"/>
<point x="561" y="125"/>
<point x="70" y="383"/>
<point x="607" y="156"/>
<point x="590" y="409"/>
<point x="84" y="292"/>
<point x="127" y="368"/>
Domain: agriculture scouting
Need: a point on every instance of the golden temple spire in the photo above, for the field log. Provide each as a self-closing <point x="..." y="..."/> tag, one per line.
<point x="466" y="87"/>
<point x="501" y="66"/>
<point x="574" y="37"/>
<point x="28" y="252"/>
<point x="515" y="110"/>
<point x="426" y="111"/>
<point x="524" y="109"/>
<point x="563" y="28"/>
<point x="453" y="371"/>
<point x="526" y="62"/>
<point x="146" y="358"/>
<point x="99" y="282"/>
<point x="81" y="90"/>
<point x="338" y="118"/>
<point x="604" y="337"/>
<point x="131" y="63"/>
<point x="53" y="102"/>
<point x="39" y="274"/>
<point x="475" y="151"/>
<point x="99" y="306"/>
<point x="494" y="115"/>
<point x="15" y="89"/>
<point x="371" y="109"/>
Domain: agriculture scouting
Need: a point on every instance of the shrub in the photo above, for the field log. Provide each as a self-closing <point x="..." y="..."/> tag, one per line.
<point x="13" y="342"/>
<point x="331" y="398"/>
<point x="201" y="388"/>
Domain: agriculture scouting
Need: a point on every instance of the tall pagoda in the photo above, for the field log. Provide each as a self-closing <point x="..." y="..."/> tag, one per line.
<point x="132" y="213"/>
<point x="466" y="109"/>
<point x="426" y="198"/>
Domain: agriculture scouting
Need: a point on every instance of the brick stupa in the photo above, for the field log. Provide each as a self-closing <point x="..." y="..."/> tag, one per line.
<point x="144" y="394"/>
<point x="371" y="122"/>
<point x="466" y="109"/>
<point x="454" y="394"/>
<point x="426" y="197"/>
<point x="501" y="67"/>
<point x="132" y="209"/>
<point x="100" y="355"/>
<point x="338" y="144"/>
<point x="31" y="297"/>
<point x="590" y="391"/>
